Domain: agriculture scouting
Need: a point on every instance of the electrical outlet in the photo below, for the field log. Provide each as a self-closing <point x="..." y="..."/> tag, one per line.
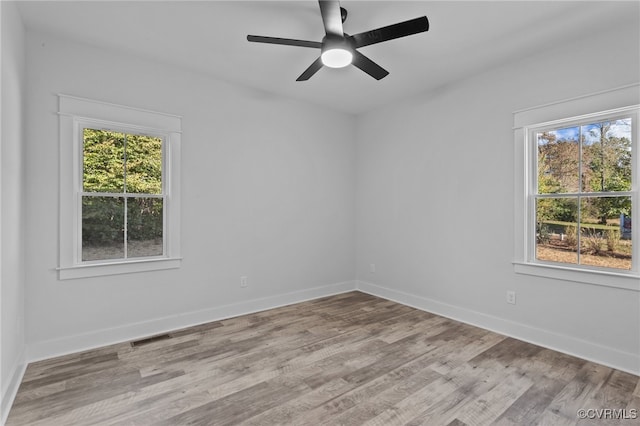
<point x="372" y="268"/>
<point x="511" y="297"/>
<point x="243" y="281"/>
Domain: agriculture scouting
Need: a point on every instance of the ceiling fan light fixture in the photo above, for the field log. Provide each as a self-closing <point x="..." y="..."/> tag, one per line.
<point x="336" y="52"/>
<point x="337" y="57"/>
<point x="338" y="49"/>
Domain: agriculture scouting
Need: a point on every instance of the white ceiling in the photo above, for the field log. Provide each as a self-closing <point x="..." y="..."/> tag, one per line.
<point x="210" y="36"/>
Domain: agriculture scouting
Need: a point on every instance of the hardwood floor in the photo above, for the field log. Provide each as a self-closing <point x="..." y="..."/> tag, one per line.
<point x="349" y="359"/>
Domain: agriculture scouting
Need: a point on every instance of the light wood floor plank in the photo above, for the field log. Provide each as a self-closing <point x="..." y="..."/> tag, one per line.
<point x="349" y="359"/>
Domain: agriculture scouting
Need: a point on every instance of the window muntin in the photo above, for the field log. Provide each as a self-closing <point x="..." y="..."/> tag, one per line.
<point x="122" y="196"/>
<point x="582" y="195"/>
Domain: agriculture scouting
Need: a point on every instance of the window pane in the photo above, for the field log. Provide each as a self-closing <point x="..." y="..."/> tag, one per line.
<point x="603" y="241"/>
<point x="103" y="161"/>
<point x="144" y="164"/>
<point x="557" y="230"/>
<point x="102" y="228"/>
<point x="558" y="165"/>
<point x="606" y="156"/>
<point x="144" y="227"/>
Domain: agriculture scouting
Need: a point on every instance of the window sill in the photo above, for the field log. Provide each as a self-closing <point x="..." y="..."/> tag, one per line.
<point x="622" y="280"/>
<point x="116" y="268"/>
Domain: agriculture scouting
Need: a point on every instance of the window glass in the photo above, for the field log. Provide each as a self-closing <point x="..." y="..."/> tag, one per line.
<point x="558" y="161"/>
<point x="145" y="227"/>
<point x="606" y="156"/>
<point x="144" y="164"/>
<point x="557" y="230"/>
<point x="103" y="161"/>
<point x="102" y="228"/>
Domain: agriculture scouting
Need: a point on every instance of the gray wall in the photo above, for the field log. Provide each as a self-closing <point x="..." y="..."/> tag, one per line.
<point x="267" y="193"/>
<point x="435" y="203"/>
<point x="12" y="202"/>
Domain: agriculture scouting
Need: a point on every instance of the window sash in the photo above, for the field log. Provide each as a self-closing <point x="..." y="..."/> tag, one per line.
<point x="79" y="180"/>
<point x="585" y="194"/>
<point x="83" y="124"/>
<point x="126" y="256"/>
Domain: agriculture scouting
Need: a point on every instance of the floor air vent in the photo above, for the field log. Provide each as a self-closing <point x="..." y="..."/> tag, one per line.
<point x="151" y="339"/>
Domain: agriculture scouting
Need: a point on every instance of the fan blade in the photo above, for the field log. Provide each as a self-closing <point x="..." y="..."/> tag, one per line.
<point x="368" y="66"/>
<point x="331" y="17"/>
<point x="284" y="41"/>
<point x="402" y="29"/>
<point x="313" y="68"/>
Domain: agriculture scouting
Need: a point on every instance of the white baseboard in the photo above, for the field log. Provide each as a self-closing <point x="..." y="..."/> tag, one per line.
<point x="37" y="351"/>
<point x="9" y="392"/>
<point x="624" y="361"/>
<point x="620" y="360"/>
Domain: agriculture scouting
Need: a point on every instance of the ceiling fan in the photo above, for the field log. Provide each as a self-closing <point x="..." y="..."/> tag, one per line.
<point x="339" y="49"/>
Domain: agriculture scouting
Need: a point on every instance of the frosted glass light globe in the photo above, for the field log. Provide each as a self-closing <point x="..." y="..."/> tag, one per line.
<point x="336" y="58"/>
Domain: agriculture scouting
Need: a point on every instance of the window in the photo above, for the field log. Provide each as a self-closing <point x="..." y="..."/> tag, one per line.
<point x="119" y="182"/>
<point x="577" y="190"/>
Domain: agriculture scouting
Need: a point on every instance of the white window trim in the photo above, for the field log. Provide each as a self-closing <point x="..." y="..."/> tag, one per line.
<point x="75" y="113"/>
<point x="619" y="100"/>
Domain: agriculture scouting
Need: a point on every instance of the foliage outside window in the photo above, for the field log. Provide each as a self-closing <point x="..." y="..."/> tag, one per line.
<point x="122" y="195"/>
<point x="583" y="197"/>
